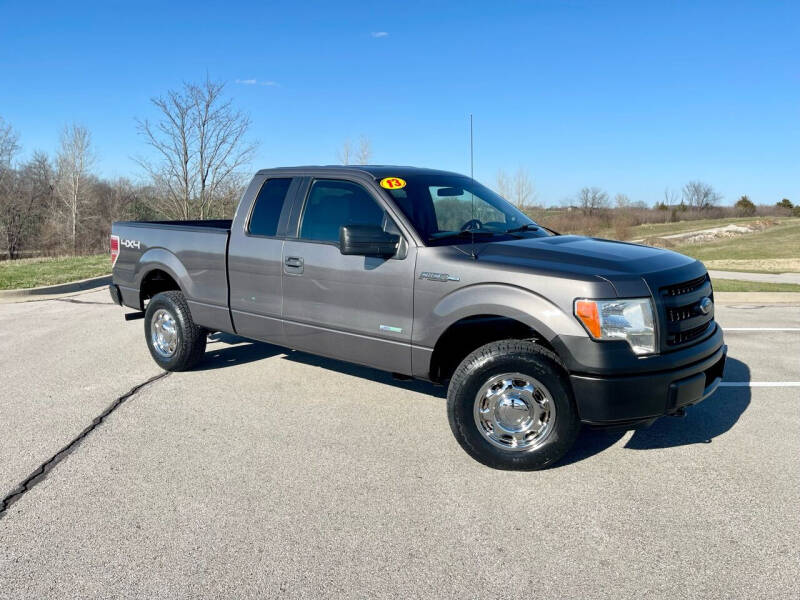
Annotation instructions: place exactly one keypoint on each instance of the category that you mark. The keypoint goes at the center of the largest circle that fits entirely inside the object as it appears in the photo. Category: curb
(60, 288)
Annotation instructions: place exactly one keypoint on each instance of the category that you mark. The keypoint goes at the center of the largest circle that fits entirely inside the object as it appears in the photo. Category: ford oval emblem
(705, 305)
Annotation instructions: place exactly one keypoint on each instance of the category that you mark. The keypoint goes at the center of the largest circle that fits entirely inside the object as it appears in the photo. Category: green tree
(745, 207)
(785, 203)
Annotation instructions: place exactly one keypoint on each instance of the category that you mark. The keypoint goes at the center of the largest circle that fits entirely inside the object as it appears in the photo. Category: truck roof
(377, 171)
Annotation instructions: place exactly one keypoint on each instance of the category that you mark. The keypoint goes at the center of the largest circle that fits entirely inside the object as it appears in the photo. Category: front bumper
(632, 399)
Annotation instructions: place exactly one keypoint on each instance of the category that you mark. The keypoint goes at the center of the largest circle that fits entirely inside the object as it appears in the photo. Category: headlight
(629, 319)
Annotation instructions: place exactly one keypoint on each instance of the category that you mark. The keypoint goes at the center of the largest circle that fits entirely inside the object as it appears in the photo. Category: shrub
(622, 226)
(745, 207)
(576, 222)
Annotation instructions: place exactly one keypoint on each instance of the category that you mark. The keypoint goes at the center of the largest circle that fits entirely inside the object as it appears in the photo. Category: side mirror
(367, 240)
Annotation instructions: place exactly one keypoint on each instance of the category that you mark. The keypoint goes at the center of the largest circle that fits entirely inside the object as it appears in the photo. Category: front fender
(502, 300)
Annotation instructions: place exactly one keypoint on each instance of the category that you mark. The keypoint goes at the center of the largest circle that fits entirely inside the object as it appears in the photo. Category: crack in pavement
(43, 469)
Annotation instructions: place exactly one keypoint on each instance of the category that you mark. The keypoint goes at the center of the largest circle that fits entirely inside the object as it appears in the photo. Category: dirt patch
(707, 235)
(717, 233)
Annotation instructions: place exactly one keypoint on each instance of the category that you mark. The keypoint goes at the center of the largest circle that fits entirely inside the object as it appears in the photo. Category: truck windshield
(447, 209)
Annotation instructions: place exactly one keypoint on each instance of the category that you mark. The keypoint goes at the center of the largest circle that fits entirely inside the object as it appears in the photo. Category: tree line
(196, 170)
(695, 196)
(199, 151)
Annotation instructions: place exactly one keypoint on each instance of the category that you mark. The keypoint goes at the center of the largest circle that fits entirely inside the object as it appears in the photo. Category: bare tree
(503, 184)
(518, 189)
(592, 200)
(108, 201)
(9, 146)
(345, 153)
(199, 141)
(523, 193)
(700, 195)
(364, 153)
(74, 161)
(23, 201)
(25, 191)
(622, 201)
(671, 197)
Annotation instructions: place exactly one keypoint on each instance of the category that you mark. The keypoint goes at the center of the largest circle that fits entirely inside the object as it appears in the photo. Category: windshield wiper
(465, 233)
(525, 227)
(469, 233)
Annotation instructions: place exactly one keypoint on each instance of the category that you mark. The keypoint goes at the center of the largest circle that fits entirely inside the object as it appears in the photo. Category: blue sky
(631, 97)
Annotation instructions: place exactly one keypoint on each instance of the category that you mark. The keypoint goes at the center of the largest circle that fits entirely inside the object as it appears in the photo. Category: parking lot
(272, 474)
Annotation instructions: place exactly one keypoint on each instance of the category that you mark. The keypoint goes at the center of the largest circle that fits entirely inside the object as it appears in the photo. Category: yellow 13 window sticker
(393, 183)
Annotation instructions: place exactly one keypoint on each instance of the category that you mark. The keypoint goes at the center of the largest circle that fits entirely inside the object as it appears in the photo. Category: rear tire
(175, 342)
(510, 406)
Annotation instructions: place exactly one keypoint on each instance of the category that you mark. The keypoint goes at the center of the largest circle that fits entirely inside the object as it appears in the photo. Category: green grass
(780, 241)
(35, 272)
(734, 285)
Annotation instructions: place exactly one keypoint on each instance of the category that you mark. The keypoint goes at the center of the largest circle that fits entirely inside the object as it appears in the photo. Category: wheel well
(469, 334)
(155, 282)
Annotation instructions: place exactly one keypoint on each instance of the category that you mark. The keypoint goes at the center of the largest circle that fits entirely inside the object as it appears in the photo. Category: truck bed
(192, 253)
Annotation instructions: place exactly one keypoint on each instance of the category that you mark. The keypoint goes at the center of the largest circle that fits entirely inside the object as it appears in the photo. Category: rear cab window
(267, 207)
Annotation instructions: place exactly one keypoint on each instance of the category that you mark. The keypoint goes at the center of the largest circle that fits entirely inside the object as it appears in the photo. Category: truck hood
(577, 255)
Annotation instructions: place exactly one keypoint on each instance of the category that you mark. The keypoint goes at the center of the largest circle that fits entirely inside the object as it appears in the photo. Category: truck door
(255, 256)
(355, 308)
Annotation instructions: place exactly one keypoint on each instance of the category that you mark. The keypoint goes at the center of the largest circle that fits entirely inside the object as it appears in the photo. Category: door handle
(293, 264)
(294, 261)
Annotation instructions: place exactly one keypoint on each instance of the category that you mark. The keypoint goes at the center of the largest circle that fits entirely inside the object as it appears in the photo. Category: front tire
(175, 342)
(510, 406)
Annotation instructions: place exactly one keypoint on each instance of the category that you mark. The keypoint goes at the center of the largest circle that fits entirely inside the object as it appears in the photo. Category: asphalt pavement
(267, 473)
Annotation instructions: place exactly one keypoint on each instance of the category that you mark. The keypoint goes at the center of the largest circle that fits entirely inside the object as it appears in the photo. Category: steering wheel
(472, 224)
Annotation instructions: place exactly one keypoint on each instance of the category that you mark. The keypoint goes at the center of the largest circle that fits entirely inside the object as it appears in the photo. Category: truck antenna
(471, 160)
(472, 194)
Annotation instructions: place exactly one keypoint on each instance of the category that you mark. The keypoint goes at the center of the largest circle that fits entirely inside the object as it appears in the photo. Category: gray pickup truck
(429, 274)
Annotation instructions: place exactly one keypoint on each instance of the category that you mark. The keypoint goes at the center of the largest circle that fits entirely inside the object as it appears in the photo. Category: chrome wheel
(164, 333)
(514, 412)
